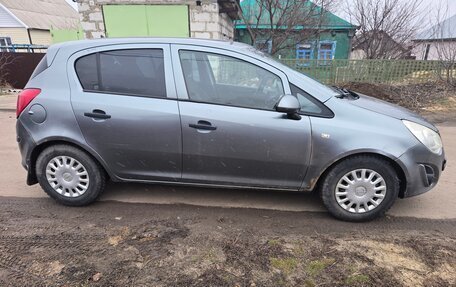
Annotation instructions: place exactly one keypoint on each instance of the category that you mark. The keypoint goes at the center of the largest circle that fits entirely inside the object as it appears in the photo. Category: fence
(369, 71)
(27, 48)
(19, 68)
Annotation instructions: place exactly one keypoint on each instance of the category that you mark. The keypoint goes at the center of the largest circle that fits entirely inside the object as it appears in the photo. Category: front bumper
(422, 169)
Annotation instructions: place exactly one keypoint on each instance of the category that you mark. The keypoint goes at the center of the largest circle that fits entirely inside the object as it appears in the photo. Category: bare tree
(5, 60)
(386, 26)
(285, 23)
(441, 31)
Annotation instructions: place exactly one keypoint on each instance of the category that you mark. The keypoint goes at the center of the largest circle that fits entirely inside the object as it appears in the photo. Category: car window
(42, 66)
(310, 105)
(132, 72)
(219, 79)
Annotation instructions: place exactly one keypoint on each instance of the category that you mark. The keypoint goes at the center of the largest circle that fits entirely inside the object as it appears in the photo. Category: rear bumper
(26, 147)
(422, 169)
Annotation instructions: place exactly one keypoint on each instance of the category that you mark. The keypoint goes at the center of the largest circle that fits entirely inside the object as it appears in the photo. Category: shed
(29, 22)
(210, 19)
(437, 42)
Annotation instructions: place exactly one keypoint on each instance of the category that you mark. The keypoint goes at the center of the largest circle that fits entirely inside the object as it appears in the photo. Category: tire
(362, 192)
(77, 182)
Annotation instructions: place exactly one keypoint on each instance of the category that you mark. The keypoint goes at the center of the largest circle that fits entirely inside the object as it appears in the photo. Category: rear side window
(42, 65)
(86, 68)
(130, 72)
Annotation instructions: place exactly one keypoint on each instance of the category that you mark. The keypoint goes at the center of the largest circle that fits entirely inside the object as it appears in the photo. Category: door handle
(98, 114)
(203, 125)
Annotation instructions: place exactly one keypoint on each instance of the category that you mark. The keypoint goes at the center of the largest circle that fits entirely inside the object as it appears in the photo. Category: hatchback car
(213, 113)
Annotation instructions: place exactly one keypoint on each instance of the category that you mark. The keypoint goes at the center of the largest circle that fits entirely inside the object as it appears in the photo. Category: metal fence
(19, 68)
(24, 48)
(370, 71)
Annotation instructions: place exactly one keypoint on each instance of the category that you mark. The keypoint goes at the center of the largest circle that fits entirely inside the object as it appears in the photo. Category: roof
(445, 30)
(43, 14)
(152, 40)
(361, 41)
(250, 9)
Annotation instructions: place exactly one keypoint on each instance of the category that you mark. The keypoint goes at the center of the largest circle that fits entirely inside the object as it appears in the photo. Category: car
(216, 114)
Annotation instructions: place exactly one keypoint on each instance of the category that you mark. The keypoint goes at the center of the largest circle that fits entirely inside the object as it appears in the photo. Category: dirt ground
(121, 244)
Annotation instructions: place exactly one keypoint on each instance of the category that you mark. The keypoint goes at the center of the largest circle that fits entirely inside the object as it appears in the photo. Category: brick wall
(205, 19)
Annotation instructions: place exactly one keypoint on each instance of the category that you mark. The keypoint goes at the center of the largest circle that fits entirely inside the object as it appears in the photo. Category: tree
(5, 60)
(386, 26)
(284, 23)
(441, 30)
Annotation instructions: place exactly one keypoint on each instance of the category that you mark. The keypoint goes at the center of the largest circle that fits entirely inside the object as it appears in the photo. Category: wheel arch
(32, 178)
(399, 170)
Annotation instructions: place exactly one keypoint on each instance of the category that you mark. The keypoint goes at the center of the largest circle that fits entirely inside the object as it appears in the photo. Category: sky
(429, 7)
(450, 3)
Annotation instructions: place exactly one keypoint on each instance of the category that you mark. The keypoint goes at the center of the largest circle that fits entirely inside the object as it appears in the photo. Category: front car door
(124, 100)
(231, 133)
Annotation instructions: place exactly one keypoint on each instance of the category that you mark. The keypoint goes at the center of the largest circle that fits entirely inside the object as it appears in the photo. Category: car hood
(391, 110)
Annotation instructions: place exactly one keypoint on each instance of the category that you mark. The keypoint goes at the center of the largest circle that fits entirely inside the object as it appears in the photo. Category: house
(210, 19)
(437, 42)
(328, 37)
(29, 22)
(378, 45)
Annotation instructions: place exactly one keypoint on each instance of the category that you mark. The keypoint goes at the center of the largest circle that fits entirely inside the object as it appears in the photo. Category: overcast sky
(429, 7)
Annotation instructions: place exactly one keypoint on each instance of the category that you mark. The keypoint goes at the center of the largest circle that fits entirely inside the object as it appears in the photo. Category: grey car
(218, 114)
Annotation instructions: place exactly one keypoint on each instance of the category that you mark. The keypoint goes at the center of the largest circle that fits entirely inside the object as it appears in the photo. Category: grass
(274, 242)
(211, 256)
(309, 283)
(357, 279)
(315, 267)
(285, 265)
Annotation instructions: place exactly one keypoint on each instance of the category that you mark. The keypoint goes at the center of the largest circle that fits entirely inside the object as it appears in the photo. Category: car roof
(84, 44)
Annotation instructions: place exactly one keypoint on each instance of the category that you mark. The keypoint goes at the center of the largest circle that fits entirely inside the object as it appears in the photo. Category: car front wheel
(360, 188)
(69, 175)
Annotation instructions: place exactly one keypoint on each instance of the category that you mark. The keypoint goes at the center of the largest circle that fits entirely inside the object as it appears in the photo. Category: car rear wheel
(360, 188)
(69, 175)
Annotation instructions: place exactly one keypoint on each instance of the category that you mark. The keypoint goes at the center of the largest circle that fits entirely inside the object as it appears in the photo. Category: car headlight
(426, 136)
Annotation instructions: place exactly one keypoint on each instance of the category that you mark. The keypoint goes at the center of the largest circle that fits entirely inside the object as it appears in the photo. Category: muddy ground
(121, 244)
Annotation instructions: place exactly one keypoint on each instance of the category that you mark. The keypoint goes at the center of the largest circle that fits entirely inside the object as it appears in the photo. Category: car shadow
(215, 197)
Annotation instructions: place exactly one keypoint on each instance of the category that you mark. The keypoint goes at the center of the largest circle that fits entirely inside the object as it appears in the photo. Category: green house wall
(338, 29)
(341, 38)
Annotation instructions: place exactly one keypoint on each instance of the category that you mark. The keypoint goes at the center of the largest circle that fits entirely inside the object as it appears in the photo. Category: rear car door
(231, 133)
(124, 100)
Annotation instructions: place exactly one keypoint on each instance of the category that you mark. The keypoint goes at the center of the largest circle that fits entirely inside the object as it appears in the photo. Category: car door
(231, 133)
(124, 100)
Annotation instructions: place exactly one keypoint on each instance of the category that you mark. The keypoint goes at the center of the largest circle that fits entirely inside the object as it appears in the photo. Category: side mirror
(290, 105)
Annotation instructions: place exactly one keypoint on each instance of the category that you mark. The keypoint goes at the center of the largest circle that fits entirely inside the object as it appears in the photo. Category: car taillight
(24, 99)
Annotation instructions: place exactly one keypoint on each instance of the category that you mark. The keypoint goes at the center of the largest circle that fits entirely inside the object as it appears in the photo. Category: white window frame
(5, 41)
